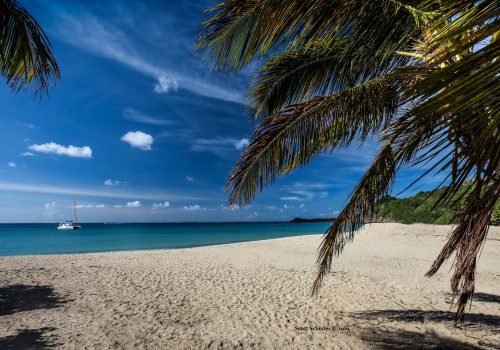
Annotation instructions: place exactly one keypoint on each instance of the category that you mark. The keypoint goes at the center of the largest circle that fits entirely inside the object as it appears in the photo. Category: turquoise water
(29, 239)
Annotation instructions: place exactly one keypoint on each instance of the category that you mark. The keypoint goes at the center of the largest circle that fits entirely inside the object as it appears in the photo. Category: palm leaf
(318, 68)
(239, 30)
(25, 52)
(295, 134)
(373, 186)
(466, 240)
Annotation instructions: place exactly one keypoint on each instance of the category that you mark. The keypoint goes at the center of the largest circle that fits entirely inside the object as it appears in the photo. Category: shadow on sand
(429, 315)
(486, 297)
(20, 297)
(411, 340)
(33, 339)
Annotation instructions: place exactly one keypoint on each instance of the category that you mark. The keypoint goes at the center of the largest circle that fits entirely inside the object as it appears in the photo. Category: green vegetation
(415, 209)
(422, 208)
(495, 217)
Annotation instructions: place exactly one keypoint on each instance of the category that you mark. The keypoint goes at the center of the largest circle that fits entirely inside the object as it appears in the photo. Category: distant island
(302, 220)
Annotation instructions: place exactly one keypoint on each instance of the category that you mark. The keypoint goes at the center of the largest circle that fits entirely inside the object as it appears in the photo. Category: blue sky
(140, 129)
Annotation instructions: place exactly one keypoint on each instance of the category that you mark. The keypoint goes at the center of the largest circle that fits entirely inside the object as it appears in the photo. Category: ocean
(34, 239)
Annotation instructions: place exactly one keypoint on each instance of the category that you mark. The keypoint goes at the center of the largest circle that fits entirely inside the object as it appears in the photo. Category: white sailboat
(70, 225)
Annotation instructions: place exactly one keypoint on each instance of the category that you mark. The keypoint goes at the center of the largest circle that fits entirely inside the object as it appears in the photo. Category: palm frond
(373, 186)
(25, 52)
(318, 68)
(463, 24)
(239, 30)
(466, 240)
(295, 134)
(458, 107)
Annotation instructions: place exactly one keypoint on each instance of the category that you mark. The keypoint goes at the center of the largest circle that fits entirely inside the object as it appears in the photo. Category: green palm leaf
(318, 68)
(373, 186)
(25, 52)
(239, 30)
(292, 136)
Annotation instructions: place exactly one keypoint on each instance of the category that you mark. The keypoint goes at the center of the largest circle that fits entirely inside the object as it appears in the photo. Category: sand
(253, 295)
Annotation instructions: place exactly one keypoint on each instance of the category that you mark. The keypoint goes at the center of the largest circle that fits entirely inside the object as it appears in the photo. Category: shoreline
(161, 249)
(251, 295)
(494, 230)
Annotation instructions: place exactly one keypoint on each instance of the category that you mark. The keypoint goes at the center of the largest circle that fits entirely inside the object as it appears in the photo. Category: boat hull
(68, 227)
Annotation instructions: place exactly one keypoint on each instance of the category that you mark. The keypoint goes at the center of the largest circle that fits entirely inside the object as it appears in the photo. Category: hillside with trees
(422, 208)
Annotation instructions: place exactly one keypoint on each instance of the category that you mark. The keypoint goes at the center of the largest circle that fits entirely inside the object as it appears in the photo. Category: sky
(140, 129)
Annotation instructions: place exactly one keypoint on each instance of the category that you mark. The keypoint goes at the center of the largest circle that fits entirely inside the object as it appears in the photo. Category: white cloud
(12, 164)
(302, 191)
(27, 154)
(134, 204)
(302, 205)
(102, 38)
(190, 178)
(50, 205)
(80, 206)
(242, 143)
(89, 206)
(165, 84)
(111, 182)
(118, 205)
(290, 198)
(30, 126)
(70, 151)
(271, 207)
(232, 207)
(220, 146)
(161, 205)
(49, 209)
(138, 139)
(192, 207)
(136, 116)
(252, 216)
(307, 186)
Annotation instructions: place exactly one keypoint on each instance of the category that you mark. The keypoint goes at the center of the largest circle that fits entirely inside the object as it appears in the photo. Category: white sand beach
(253, 295)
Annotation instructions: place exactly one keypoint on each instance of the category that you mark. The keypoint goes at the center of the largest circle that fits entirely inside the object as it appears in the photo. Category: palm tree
(419, 75)
(25, 52)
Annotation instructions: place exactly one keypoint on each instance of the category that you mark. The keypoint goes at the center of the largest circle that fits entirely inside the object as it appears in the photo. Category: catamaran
(70, 225)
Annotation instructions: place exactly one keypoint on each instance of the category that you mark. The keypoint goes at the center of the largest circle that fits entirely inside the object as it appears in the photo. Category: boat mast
(75, 219)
